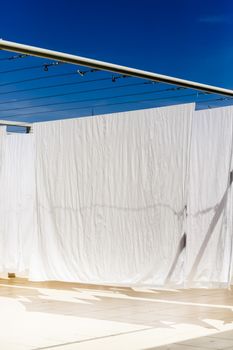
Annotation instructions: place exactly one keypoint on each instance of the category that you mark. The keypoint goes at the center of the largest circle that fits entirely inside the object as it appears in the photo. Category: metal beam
(27, 126)
(14, 123)
(77, 60)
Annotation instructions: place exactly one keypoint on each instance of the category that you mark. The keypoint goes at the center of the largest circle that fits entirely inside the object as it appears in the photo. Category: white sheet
(208, 254)
(17, 202)
(111, 194)
(137, 198)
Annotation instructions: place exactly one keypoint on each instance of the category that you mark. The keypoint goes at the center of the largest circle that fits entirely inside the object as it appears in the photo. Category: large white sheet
(17, 202)
(111, 197)
(138, 198)
(209, 229)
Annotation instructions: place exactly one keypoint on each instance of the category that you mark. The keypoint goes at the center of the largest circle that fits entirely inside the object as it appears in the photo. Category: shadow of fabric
(219, 209)
(180, 249)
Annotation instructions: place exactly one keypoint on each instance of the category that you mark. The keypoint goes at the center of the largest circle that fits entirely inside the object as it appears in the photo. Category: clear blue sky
(187, 39)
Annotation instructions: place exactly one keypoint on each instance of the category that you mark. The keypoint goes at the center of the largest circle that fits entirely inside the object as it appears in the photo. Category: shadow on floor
(152, 308)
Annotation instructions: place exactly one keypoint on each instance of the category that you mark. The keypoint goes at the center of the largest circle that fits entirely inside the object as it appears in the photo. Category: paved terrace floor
(68, 316)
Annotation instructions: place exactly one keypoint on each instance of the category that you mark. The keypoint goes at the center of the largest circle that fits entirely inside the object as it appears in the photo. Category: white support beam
(77, 60)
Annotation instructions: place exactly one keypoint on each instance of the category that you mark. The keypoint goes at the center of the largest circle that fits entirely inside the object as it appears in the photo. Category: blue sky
(187, 39)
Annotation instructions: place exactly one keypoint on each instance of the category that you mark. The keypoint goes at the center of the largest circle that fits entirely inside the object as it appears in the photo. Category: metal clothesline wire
(74, 92)
(119, 103)
(95, 98)
(219, 99)
(61, 85)
(102, 105)
(39, 78)
(14, 57)
(43, 66)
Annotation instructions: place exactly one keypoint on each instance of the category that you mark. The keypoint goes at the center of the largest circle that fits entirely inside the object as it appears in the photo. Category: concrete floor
(65, 316)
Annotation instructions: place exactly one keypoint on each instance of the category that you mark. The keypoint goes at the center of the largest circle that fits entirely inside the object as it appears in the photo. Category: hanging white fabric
(209, 229)
(136, 198)
(111, 197)
(17, 202)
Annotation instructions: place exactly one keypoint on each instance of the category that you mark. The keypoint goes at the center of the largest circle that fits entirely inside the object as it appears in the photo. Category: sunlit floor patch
(67, 316)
